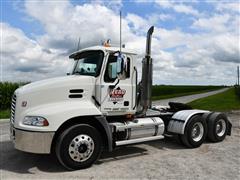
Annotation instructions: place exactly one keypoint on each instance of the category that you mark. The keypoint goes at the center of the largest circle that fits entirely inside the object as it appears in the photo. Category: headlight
(35, 121)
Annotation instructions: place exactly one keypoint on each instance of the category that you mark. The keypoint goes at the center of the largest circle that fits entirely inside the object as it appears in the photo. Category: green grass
(170, 91)
(224, 101)
(4, 114)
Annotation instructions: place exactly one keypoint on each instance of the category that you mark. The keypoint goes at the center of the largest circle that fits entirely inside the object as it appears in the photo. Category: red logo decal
(117, 94)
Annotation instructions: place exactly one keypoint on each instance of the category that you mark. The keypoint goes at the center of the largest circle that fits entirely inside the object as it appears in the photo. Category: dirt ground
(162, 159)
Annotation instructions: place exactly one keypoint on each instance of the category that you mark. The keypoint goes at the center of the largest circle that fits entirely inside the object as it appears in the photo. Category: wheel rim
(220, 127)
(197, 132)
(81, 148)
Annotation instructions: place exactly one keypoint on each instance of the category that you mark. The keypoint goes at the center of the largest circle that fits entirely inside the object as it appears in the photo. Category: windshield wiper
(77, 72)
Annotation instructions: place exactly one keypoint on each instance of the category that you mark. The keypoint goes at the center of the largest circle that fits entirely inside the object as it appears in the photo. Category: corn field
(237, 91)
(6, 91)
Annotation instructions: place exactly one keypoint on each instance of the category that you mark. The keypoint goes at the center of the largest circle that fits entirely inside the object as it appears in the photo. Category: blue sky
(14, 14)
(194, 42)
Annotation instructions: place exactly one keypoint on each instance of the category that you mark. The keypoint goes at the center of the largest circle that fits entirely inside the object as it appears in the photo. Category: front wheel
(78, 147)
(195, 132)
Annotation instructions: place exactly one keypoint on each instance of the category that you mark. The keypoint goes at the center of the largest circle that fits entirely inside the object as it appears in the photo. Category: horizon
(221, 85)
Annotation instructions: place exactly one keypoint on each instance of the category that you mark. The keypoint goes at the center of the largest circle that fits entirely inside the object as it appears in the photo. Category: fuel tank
(138, 128)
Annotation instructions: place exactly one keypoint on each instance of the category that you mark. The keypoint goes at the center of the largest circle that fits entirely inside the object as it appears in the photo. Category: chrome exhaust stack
(146, 83)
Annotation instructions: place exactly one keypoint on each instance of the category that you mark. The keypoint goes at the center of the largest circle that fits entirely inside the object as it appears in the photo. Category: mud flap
(229, 130)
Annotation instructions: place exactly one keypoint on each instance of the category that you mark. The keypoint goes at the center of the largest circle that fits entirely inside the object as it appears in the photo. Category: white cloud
(225, 48)
(192, 59)
(93, 23)
(115, 5)
(165, 3)
(215, 23)
(185, 9)
(25, 60)
(228, 6)
(178, 7)
(171, 38)
(155, 18)
(137, 22)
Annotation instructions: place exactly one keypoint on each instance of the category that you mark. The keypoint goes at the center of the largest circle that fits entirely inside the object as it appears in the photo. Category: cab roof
(103, 48)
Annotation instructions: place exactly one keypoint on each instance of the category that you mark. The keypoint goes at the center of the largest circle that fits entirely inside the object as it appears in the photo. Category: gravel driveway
(162, 159)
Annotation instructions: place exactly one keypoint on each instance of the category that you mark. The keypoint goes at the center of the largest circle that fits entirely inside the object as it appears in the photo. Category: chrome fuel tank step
(138, 130)
(139, 140)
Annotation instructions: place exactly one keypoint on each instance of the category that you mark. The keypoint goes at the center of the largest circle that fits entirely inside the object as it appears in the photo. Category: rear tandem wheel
(195, 132)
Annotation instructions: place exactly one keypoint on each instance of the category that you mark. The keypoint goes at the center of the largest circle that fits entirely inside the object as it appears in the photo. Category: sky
(194, 42)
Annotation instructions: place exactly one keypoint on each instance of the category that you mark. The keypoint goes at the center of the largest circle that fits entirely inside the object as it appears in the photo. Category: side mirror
(120, 63)
(119, 68)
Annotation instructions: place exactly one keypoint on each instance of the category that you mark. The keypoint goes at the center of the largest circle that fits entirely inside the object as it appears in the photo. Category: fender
(179, 120)
(58, 113)
(99, 122)
(102, 120)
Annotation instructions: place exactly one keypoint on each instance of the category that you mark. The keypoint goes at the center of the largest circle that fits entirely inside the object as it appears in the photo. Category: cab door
(117, 86)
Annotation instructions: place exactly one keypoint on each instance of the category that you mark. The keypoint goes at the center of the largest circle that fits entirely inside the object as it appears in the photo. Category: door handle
(113, 86)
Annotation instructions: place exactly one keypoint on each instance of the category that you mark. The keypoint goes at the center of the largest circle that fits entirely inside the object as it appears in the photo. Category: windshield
(88, 63)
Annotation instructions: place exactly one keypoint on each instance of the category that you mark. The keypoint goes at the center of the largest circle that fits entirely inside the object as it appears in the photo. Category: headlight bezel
(37, 121)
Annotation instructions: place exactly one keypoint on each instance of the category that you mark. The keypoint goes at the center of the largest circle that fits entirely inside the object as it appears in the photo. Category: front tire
(195, 132)
(78, 147)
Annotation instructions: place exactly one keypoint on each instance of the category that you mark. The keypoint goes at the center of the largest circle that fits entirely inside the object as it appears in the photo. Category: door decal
(116, 95)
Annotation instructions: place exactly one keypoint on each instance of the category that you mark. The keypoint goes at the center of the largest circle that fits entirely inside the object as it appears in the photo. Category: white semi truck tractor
(99, 106)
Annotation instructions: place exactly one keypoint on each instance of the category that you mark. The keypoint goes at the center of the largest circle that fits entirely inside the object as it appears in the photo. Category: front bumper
(33, 142)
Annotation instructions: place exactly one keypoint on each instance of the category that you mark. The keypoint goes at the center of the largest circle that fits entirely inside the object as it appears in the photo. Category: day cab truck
(100, 106)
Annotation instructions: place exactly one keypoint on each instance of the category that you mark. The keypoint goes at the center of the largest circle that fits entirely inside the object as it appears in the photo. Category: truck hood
(55, 96)
(59, 83)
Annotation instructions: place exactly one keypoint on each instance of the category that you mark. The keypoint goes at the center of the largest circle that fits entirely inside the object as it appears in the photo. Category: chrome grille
(13, 106)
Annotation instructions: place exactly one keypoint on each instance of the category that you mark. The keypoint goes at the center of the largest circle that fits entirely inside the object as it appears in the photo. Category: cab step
(139, 140)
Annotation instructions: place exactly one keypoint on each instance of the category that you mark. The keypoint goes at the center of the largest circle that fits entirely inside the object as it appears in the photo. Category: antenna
(79, 41)
(120, 31)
